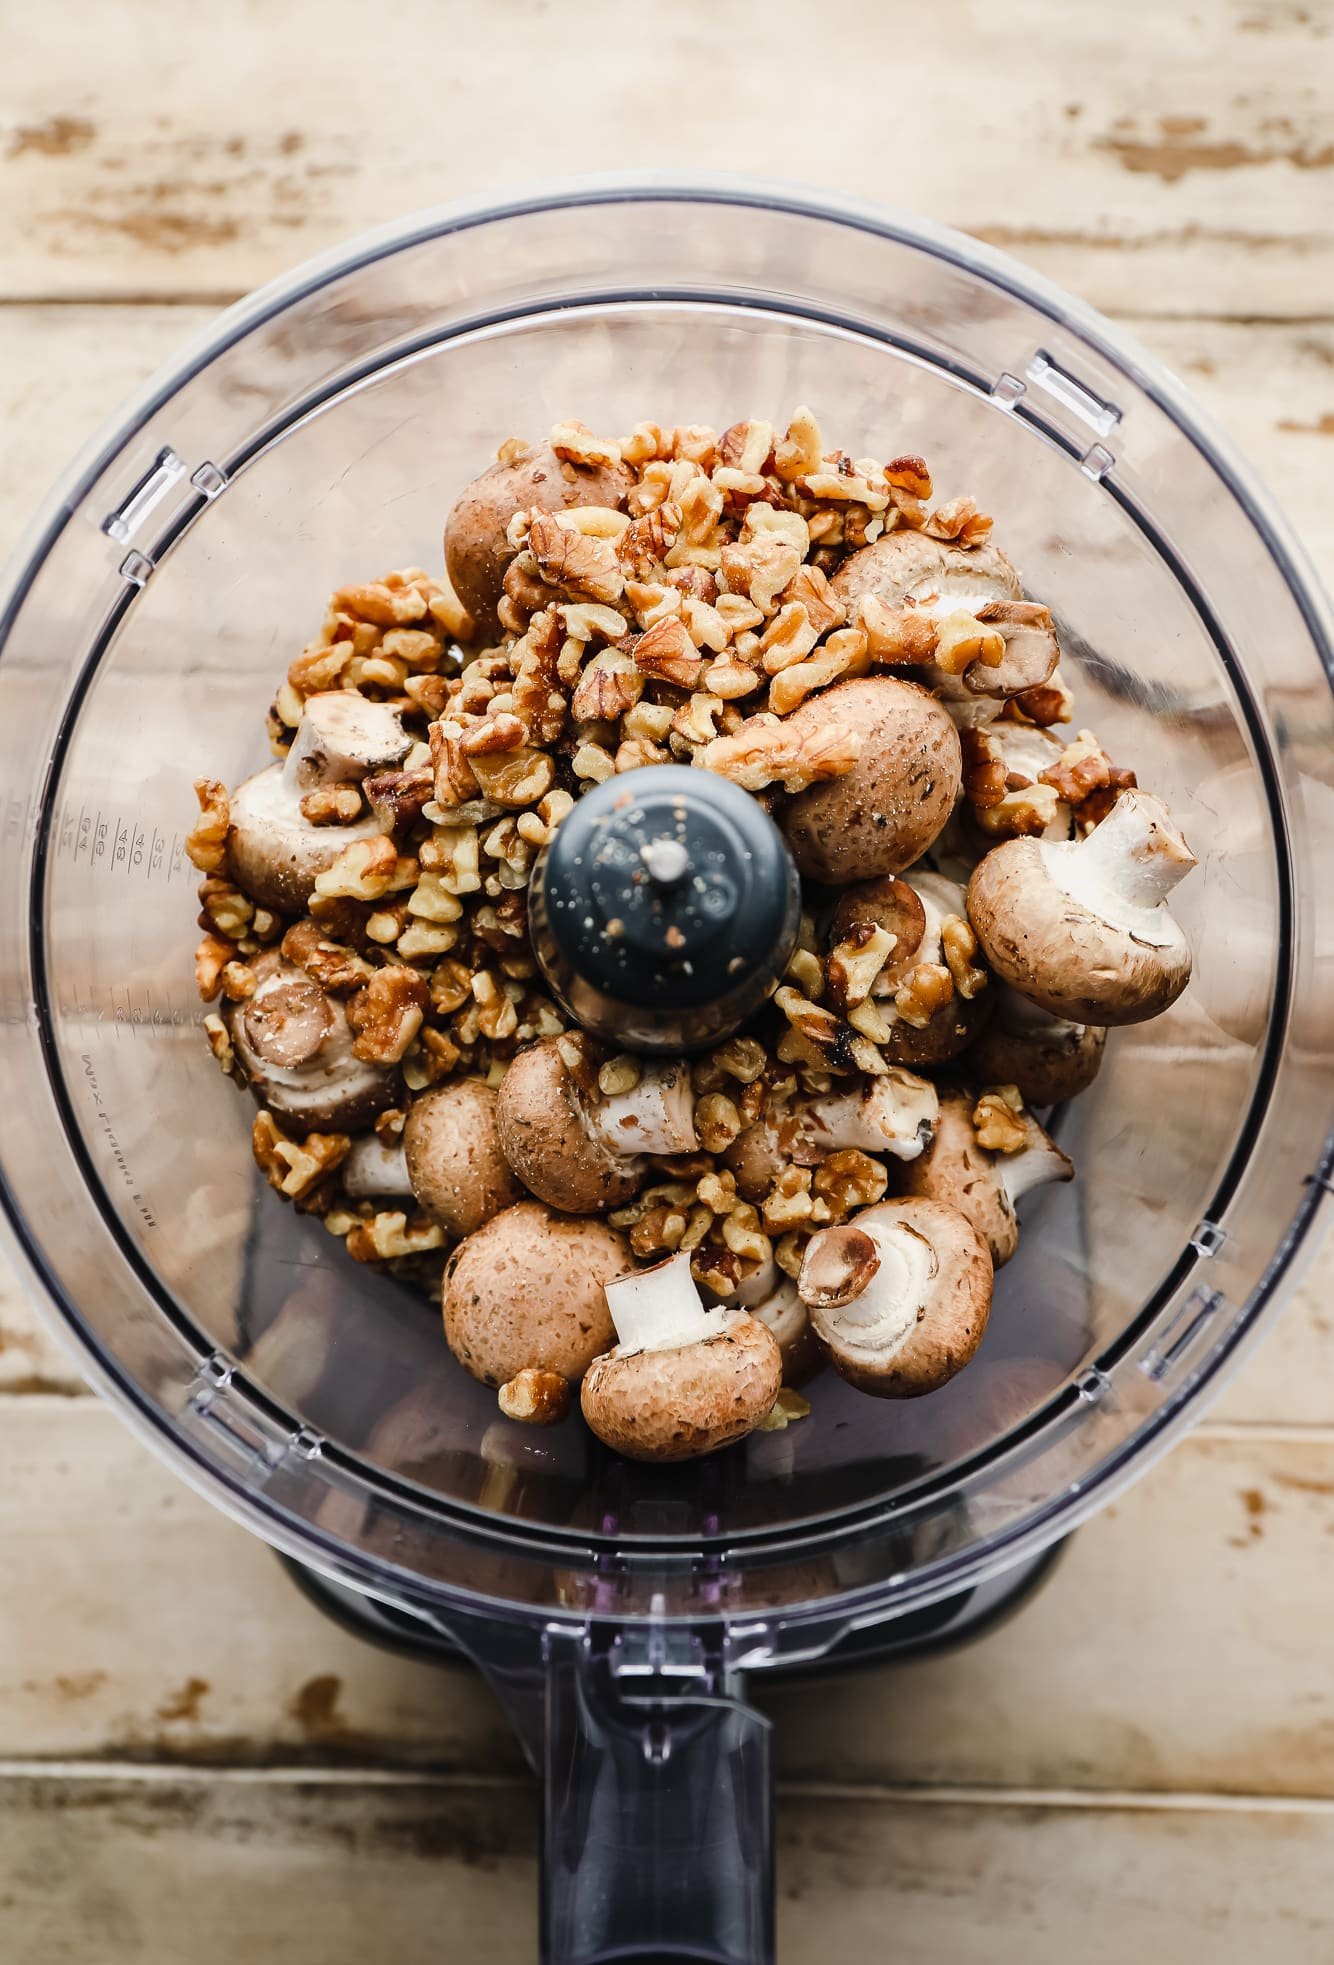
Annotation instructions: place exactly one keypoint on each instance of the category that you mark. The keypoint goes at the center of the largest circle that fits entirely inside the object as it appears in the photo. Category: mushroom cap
(275, 855)
(678, 1404)
(956, 1170)
(452, 1148)
(905, 562)
(950, 1322)
(759, 1153)
(543, 1133)
(949, 1033)
(1048, 1059)
(294, 1044)
(528, 1289)
(884, 813)
(1059, 954)
(477, 552)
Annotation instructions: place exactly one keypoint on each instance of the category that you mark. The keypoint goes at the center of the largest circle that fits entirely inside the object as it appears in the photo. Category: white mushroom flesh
(341, 737)
(301, 1090)
(657, 1116)
(270, 802)
(1030, 750)
(757, 1287)
(375, 1166)
(1034, 1165)
(660, 1309)
(783, 1312)
(878, 1321)
(1024, 1019)
(895, 1113)
(1125, 868)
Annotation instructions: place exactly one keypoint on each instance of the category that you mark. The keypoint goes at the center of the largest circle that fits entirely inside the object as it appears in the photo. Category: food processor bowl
(318, 434)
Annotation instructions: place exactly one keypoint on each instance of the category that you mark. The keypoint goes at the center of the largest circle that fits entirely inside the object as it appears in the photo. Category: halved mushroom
(448, 1159)
(1083, 929)
(957, 612)
(913, 908)
(276, 854)
(526, 1291)
(899, 1297)
(884, 813)
(1049, 1059)
(683, 1380)
(476, 549)
(983, 1185)
(894, 1113)
(577, 1149)
(774, 1301)
(294, 1044)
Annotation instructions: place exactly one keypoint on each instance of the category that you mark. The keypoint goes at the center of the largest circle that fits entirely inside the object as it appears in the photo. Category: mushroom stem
(757, 1288)
(1127, 866)
(341, 736)
(659, 1309)
(1035, 1165)
(657, 1116)
(892, 1114)
(374, 1167)
(886, 1306)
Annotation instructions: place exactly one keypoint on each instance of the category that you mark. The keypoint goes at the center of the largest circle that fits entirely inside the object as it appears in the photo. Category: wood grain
(1098, 146)
(104, 1870)
(1183, 1641)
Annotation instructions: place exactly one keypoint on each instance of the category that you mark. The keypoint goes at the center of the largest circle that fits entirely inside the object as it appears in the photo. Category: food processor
(320, 432)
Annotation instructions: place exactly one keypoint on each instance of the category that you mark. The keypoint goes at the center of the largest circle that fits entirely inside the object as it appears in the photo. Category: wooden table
(193, 1764)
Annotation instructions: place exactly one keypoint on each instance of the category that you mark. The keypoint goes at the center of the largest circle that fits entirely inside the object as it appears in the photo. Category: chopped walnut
(1083, 768)
(225, 909)
(959, 520)
(397, 797)
(389, 1236)
(717, 1121)
(665, 651)
(365, 871)
(535, 1397)
(515, 777)
(618, 1075)
(662, 1227)
(611, 684)
(843, 654)
(896, 634)
(984, 769)
(206, 844)
(1025, 813)
(959, 946)
(332, 805)
(790, 635)
(962, 639)
(788, 1202)
(787, 1409)
(923, 993)
(294, 1167)
(574, 562)
(743, 1235)
(997, 1120)
(220, 1043)
(1050, 702)
(763, 752)
(854, 964)
(387, 1014)
(761, 569)
(211, 958)
(848, 1181)
(801, 450)
(575, 443)
(645, 543)
(593, 762)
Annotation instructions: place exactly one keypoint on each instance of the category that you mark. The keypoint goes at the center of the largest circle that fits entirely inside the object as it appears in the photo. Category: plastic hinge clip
(1183, 1333)
(1100, 416)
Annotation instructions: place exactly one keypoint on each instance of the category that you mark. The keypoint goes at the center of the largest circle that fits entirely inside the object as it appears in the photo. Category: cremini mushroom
(893, 1113)
(477, 552)
(526, 1291)
(984, 1186)
(1083, 929)
(930, 603)
(1049, 1059)
(448, 1158)
(773, 1300)
(293, 1043)
(900, 1296)
(914, 908)
(884, 813)
(683, 1380)
(275, 852)
(577, 1148)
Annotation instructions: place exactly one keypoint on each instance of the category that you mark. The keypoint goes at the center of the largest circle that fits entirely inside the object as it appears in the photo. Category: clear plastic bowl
(318, 433)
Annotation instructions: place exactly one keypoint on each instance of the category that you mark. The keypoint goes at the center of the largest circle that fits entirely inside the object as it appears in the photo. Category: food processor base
(953, 1620)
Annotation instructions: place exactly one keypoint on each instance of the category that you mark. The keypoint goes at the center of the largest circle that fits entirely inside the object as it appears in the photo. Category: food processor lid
(794, 289)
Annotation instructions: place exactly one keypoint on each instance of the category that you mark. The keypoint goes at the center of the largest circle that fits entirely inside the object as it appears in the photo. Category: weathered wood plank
(110, 1871)
(1153, 160)
(1183, 1642)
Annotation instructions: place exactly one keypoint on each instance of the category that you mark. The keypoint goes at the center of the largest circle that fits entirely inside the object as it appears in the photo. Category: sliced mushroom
(576, 1149)
(526, 1290)
(1083, 929)
(476, 549)
(1049, 1059)
(884, 813)
(893, 1113)
(683, 1380)
(899, 1297)
(982, 1185)
(294, 1044)
(275, 853)
(913, 908)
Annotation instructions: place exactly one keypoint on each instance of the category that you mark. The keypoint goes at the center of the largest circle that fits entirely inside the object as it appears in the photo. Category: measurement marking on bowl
(102, 1119)
(94, 835)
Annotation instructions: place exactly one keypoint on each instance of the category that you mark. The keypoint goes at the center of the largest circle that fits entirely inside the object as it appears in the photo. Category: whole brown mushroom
(1049, 1059)
(983, 1185)
(884, 813)
(1083, 929)
(892, 1114)
(914, 908)
(451, 1144)
(899, 1297)
(527, 1290)
(576, 1148)
(683, 1380)
(476, 549)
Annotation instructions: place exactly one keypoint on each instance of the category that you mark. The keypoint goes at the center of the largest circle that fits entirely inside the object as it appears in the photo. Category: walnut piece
(387, 1014)
(295, 1166)
(848, 1181)
(386, 1237)
(959, 946)
(923, 993)
(206, 844)
(332, 805)
(997, 1121)
(762, 752)
(535, 1397)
